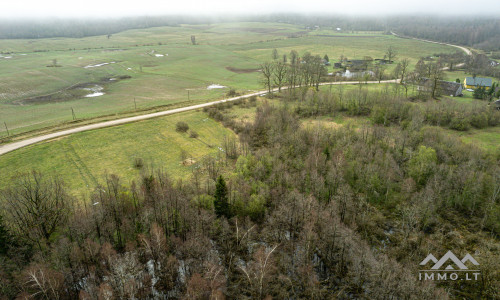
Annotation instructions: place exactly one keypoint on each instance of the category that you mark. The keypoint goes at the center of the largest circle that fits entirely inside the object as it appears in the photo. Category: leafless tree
(391, 53)
(267, 73)
(279, 74)
(35, 207)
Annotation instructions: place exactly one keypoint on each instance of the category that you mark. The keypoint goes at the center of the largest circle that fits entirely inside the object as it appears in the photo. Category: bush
(138, 163)
(181, 127)
(460, 124)
(232, 93)
(193, 134)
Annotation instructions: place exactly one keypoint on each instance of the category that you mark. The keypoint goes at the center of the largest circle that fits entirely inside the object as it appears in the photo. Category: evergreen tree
(326, 58)
(479, 93)
(221, 202)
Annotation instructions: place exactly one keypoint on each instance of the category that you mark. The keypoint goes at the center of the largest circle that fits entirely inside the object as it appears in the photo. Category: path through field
(17, 145)
(467, 51)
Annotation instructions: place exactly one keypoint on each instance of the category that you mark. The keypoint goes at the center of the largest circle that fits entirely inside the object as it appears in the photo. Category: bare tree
(436, 75)
(43, 281)
(35, 207)
(267, 73)
(391, 53)
(279, 72)
(404, 69)
(258, 271)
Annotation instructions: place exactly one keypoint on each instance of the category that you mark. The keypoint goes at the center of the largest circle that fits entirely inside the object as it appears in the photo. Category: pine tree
(221, 203)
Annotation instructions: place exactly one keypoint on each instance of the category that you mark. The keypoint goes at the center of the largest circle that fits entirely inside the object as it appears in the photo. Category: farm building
(448, 88)
(475, 82)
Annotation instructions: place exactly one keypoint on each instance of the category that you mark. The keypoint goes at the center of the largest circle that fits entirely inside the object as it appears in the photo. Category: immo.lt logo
(449, 267)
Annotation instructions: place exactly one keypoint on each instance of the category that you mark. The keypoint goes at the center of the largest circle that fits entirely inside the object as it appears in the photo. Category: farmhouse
(475, 82)
(448, 88)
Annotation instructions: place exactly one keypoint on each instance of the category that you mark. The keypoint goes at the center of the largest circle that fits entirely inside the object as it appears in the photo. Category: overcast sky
(117, 8)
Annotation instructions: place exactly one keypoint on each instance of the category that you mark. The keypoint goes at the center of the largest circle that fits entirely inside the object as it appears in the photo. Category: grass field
(163, 65)
(85, 158)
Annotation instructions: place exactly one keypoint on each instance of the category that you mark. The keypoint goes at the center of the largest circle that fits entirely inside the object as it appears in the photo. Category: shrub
(232, 93)
(138, 163)
(193, 134)
(460, 124)
(181, 127)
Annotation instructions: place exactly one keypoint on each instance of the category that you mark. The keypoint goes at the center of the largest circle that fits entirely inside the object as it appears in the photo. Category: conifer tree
(221, 202)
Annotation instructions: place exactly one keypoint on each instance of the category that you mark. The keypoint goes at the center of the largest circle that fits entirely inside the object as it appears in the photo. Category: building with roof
(475, 82)
(447, 88)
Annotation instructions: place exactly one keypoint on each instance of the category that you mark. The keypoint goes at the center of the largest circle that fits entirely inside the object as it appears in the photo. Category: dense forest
(481, 33)
(287, 211)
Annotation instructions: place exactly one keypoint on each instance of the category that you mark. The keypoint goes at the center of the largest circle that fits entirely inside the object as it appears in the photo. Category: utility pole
(5, 123)
(73, 113)
(135, 104)
(188, 95)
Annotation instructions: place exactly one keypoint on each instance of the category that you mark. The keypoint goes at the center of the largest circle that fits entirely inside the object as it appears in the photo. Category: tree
(326, 58)
(422, 164)
(404, 69)
(294, 56)
(479, 93)
(4, 238)
(279, 74)
(193, 40)
(267, 73)
(181, 126)
(379, 72)
(391, 54)
(35, 207)
(275, 55)
(436, 75)
(221, 202)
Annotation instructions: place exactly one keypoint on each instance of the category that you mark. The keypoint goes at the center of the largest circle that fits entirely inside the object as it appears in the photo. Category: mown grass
(164, 80)
(487, 138)
(84, 159)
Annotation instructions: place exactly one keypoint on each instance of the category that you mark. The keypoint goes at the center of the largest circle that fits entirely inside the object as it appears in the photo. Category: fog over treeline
(481, 32)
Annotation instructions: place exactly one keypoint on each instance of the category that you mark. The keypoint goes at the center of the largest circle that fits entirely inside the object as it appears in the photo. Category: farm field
(145, 68)
(84, 159)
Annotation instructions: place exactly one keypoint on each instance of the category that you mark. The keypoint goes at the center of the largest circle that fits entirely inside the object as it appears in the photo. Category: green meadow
(84, 159)
(145, 68)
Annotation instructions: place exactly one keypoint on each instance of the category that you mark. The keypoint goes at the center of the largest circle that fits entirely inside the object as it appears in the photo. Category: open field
(163, 67)
(85, 158)
(487, 138)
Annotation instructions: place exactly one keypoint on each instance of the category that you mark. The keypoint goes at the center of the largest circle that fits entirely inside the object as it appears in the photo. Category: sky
(13, 9)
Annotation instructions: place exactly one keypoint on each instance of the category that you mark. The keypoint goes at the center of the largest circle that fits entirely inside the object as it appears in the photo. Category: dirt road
(17, 145)
(467, 51)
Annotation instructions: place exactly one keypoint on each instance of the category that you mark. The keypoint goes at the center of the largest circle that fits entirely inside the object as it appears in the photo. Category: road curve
(17, 145)
(466, 50)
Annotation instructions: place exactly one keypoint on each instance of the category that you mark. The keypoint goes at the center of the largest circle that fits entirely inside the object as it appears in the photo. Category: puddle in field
(96, 91)
(98, 65)
(215, 86)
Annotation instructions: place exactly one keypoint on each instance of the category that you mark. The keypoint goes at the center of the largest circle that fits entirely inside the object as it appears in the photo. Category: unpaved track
(17, 145)
(466, 50)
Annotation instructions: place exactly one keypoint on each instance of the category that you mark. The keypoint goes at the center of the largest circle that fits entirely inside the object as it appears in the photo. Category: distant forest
(482, 33)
